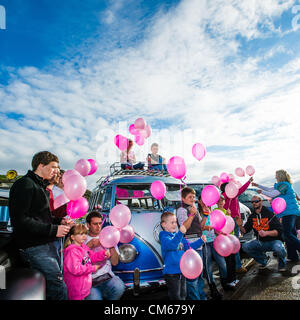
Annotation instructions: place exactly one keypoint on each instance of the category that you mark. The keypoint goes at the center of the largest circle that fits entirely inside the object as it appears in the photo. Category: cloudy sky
(225, 73)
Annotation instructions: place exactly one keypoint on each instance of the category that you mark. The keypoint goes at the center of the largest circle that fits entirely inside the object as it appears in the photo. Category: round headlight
(127, 253)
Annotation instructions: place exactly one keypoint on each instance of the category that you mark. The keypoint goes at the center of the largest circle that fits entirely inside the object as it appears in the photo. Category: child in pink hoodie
(78, 263)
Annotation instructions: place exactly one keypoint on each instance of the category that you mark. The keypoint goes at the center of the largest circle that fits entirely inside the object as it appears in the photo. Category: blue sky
(225, 73)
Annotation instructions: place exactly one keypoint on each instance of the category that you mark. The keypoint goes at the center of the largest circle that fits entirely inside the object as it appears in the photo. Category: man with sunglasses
(268, 231)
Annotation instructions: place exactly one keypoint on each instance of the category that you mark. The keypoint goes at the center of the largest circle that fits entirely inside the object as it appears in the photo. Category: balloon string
(188, 244)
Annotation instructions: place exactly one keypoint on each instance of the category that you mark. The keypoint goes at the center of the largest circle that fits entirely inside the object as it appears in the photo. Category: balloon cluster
(75, 186)
(226, 245)
(141, 131)
(120, 231)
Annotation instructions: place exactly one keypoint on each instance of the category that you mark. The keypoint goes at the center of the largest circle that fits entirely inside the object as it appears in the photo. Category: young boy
(189, 217)
(173, 245)
(230, 260)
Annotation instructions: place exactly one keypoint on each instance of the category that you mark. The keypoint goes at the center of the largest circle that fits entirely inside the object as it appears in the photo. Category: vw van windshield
(136, 197)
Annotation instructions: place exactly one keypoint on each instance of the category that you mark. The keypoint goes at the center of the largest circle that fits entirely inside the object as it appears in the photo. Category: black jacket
(266, 221)
(29, 212)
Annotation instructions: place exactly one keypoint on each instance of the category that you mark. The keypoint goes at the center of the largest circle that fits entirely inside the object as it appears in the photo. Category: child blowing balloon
(78, 263)
(173, 246)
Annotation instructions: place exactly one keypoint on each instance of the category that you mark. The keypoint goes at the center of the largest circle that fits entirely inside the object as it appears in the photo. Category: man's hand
(67, 222)
(93, 243)
(259, 191)
(62, 231)
(262, 233)
(254, 184)
(183, 229)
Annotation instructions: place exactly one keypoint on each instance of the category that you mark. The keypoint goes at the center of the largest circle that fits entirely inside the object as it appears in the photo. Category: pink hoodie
(78, 270)
(233, 204)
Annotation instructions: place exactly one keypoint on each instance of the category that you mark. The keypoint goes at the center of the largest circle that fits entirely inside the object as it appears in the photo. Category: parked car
(17, 281)
(246, 197)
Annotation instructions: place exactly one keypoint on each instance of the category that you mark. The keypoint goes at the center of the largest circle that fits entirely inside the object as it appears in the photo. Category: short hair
(222, 186)
(93, 214)
(165, 216)
(43, 157)
(154, 145)
(186, 190)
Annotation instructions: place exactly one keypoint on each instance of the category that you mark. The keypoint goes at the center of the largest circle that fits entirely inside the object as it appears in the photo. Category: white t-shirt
(107, 266)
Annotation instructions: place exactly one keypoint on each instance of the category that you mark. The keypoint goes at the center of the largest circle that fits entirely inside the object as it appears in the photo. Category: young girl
(128, 159)
(78, 263)
(230, 260)
(209, 253)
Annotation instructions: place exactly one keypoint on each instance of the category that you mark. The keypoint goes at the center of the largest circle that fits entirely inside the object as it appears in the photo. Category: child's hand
(182, 229)
(107, 254)
(193, 210)
(97, 267)
(239, 221)
(203, 237)
(228, 211)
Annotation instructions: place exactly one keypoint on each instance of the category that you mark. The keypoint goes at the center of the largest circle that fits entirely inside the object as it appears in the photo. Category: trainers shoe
(282, 269)
(241, 270)
(264, 266)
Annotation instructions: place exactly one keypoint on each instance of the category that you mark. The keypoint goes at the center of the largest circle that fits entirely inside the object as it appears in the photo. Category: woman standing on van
(284, 189)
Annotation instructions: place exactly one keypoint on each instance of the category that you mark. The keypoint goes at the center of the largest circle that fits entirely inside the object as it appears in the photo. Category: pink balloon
(231, 190)
(121, 142)
(224, 177)
(210, 195)
(94, 166)
(217, 219)
(132, 130)
(75, 187)
(198, 151)
(223, 245)
(215, 180)
(60, 200)
(139, 139)
(109, 237)
(158, 189)
(191, 264)
(126, 234)
(235, 242)
(278, 205)
(83, 166)
(176, 167)
(231, 177)
(77, 208)
(139, 124)
(229, 225)
(240, 172)
(69, 173)
(250, 171)
(120, 216)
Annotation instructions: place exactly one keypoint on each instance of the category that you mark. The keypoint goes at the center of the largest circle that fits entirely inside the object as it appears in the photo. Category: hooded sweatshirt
(78, 269)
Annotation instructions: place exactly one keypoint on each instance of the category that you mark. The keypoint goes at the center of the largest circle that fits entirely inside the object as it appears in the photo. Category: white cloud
(187, 71)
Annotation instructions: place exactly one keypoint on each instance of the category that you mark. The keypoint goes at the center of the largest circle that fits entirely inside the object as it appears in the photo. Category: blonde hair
(76, 229)
(283, 175)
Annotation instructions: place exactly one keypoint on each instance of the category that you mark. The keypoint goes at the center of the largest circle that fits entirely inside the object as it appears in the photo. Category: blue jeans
(195, 287)
(44, 258)
(137, 166)
(160, 167)
(257, 250)
(111, 289)
(209, 252)
(290, 236)
(238, 262)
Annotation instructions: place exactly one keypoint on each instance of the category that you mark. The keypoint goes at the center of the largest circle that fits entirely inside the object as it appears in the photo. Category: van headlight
(127, 253)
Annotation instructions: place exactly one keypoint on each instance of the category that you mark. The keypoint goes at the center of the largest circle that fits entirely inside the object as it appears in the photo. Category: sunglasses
(256, 201)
